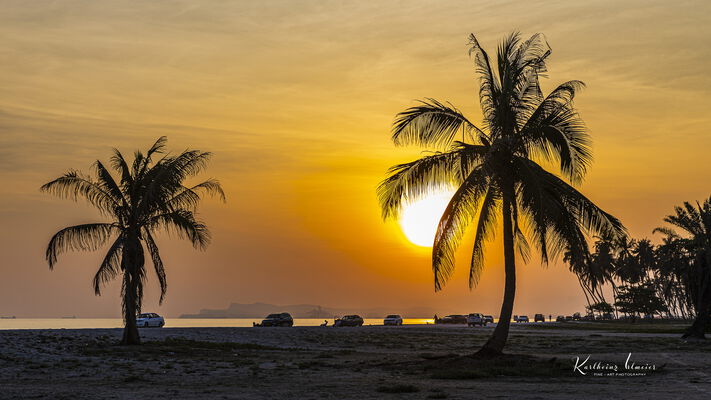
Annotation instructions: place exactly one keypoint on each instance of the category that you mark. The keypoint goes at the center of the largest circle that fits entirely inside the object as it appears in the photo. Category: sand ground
(340, 363)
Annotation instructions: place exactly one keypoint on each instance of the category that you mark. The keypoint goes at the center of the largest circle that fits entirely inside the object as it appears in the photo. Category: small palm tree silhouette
(149, 196)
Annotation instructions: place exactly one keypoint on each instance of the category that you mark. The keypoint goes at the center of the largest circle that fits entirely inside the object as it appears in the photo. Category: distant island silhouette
(259, 310)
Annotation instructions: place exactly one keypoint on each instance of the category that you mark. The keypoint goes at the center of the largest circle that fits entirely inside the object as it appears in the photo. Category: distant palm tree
(496, 172)
(149, 196)
(695, 221)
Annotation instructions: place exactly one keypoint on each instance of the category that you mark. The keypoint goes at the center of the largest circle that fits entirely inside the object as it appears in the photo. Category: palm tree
(674, 261)
(695, 221)
(496, 169)
(149, 197)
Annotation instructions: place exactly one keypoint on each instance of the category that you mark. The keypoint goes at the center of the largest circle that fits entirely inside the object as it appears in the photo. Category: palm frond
(73, 185)
(485, 230)
(561, 209)
(528, 65)
(85, 237)
(520, 241)
(489, 88)
(118, 163)
(165, 179)
(157, 148)
(555, 131)
(432, 124)
(184, 224)
(418, 178)
(157, 264)
(668, 232)
(505, 62)
(686, 218)
(189, 197)
(109, 185)
(110, 266)
(460, 212)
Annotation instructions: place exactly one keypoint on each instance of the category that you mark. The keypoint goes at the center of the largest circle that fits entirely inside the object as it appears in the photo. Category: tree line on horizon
(671, 280)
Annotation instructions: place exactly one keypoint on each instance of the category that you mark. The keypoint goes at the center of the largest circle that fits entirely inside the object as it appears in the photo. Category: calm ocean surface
(88, 323)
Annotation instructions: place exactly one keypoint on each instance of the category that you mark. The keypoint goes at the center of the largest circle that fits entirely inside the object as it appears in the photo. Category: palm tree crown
(148, 197)
(496, 166)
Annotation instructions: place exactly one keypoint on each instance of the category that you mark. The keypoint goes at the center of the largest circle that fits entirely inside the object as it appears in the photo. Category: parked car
(281, 319)
(576, 316)
(454, 319)
(349, 320)
(489, 319)
(568, 318)
(149, 320)
(521, 318)
(476, 319)
(539, 318)
(607, 316)
(393, 319)
(588, 317)
(560, 318)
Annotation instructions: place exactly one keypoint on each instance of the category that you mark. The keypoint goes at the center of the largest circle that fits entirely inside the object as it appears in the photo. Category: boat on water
(72, 317)
(10, 317)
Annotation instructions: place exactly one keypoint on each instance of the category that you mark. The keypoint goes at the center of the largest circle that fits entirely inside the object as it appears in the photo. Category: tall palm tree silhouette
(496, 170)
(695, 221)
(149, 196)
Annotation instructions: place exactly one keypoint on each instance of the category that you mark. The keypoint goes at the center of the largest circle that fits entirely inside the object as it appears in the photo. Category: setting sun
(419, 219)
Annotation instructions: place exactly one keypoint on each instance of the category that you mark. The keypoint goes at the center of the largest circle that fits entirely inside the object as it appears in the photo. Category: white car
(393, 319)
(149, 320)
(476, 319)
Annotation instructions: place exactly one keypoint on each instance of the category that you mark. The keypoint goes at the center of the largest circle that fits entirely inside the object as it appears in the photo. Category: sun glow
(419, 219)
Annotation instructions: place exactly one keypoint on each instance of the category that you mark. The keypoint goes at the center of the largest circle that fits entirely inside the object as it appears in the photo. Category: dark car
(539, 318)
(560, 318)
(489, 319)
(349, 320)
(576, 316)
(282, 319)
(454, 319)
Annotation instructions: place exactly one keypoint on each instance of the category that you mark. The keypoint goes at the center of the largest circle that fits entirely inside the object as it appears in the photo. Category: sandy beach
(353, 363)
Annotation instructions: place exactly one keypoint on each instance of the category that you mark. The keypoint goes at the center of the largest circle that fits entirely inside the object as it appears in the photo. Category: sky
(296, 100)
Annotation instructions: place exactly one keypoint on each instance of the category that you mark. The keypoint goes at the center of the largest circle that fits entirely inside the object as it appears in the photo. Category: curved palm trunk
(497, 341)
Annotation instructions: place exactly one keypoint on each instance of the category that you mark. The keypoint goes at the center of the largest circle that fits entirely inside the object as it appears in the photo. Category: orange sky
(296, 100)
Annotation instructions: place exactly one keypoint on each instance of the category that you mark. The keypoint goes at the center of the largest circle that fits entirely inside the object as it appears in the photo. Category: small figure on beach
(325, 322)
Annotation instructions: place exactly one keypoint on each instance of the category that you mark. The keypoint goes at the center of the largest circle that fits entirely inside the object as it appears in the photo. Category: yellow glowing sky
(296, 100)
